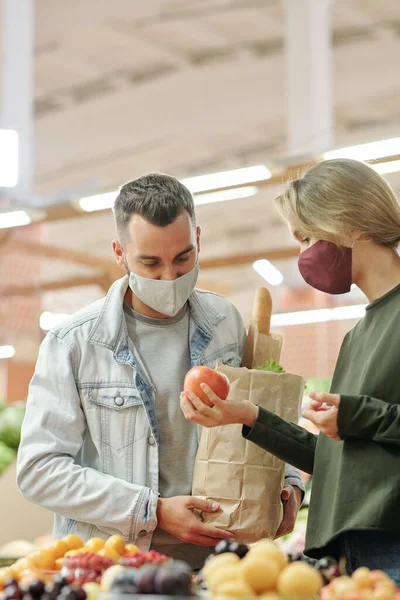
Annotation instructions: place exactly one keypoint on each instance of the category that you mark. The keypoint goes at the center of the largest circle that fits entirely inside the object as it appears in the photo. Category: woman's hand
(223, 412)
(324, 417)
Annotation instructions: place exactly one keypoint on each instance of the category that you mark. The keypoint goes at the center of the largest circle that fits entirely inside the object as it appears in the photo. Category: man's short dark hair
(156, 197)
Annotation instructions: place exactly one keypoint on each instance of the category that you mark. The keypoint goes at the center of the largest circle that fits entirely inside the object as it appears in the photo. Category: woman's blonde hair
(337, 197)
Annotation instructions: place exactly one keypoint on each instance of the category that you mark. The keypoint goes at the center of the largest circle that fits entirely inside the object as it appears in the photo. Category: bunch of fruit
(174, 579)
(85, 567)
(362, 585)
(261, 570)
(37, 564)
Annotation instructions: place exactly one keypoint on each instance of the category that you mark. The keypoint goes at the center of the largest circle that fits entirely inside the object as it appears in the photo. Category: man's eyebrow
(188, 249)
(149, 257)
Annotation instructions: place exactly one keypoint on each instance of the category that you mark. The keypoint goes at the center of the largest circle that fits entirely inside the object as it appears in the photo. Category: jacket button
(151, 441)
(119, 401)
(142, 533)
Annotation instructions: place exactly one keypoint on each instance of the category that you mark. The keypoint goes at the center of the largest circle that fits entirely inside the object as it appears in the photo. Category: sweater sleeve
(287, 441)
(368, 418)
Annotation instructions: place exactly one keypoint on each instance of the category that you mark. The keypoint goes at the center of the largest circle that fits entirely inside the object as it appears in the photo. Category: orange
(27, 576)
(109, 553)
(77, 551)
(58, 565)
(95, 544)
(60, 549)
(73, 541)
(43, 559)
(12, 572)
(23, 564)
(117, 543)
(4, 575)
(132, 549)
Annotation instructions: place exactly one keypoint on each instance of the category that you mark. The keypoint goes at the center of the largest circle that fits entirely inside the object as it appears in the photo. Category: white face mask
(165, 296)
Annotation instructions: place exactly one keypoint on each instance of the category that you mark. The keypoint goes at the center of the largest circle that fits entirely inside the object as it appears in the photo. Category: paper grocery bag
(242, 477)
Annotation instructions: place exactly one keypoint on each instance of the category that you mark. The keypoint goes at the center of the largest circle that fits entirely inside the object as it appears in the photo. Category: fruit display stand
(21, 519)
(108, 569)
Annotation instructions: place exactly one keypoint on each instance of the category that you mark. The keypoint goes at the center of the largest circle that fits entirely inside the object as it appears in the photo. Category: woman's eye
(183, 258)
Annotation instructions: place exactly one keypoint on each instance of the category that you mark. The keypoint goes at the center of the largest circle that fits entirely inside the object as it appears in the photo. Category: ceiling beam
(104, 282)
(114, 271)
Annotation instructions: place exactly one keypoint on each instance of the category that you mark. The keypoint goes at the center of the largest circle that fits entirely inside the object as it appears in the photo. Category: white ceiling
(188, 87)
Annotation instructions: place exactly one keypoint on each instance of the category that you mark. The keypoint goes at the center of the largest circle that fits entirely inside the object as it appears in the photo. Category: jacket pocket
(116, 415)
(230, 355)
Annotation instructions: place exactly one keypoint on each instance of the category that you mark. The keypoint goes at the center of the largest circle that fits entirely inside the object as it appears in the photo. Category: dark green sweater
(356, 482)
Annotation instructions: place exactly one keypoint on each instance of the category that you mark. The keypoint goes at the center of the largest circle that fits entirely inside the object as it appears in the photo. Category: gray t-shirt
(163, 347)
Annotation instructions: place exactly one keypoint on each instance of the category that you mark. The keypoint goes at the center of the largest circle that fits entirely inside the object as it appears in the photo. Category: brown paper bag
(243, 478)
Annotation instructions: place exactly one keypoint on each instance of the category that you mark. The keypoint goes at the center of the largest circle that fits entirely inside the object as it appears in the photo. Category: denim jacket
(89, 445)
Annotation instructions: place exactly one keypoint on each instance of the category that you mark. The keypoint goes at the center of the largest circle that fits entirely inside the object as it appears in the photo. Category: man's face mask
(327, 267)
(164, 296)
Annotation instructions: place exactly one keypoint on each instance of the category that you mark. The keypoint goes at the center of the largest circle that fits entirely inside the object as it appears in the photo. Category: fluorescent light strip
(98, 201)
(370, 151)
(16, 218)
(268, 271)
(48, 320)
(323, 315)
(224, 195)
(7, 351)
(8, 158)
(392, 166)
(213, 181)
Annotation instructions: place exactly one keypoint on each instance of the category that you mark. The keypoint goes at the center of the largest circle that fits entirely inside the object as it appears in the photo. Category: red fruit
(218, 382)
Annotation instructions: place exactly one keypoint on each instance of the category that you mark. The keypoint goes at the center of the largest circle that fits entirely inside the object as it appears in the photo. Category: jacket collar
(110, 330)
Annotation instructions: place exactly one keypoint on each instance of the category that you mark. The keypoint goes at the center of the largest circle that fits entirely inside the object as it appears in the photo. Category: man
(104, 443)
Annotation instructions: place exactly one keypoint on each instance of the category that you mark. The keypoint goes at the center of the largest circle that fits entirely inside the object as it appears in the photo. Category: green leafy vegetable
(6, 456)
(272, 366)
(10, 424)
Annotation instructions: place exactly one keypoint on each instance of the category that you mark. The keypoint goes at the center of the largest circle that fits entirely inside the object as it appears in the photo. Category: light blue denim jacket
(89, 444)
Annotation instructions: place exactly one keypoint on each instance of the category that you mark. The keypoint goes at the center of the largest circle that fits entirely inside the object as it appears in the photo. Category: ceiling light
(322, 315)
(202, 183)
(268, 271)
(370, 151)
(223, 195)
(391, 166)
(8, 158)
(48, 320)
(98, 201)
(15, 218)
(7, 351)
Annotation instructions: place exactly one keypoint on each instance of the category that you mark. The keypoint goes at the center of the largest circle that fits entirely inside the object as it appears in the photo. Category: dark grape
(172, 581)
(10, 581)
(59, 581)
(146, 575)
(242, 550)
(36, 588)
(80, 594)
(69, 593)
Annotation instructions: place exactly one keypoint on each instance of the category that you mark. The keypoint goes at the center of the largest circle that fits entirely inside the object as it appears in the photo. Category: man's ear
(119, 254)
(198, 235)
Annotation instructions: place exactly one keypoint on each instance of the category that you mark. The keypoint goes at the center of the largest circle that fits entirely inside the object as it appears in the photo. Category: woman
(347, 221)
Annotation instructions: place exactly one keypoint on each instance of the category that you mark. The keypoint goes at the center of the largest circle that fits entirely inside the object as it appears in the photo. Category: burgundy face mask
(326, 267)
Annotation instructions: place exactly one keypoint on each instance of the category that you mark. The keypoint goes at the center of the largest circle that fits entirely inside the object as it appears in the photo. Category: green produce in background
(7, 456)
(10, 424)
